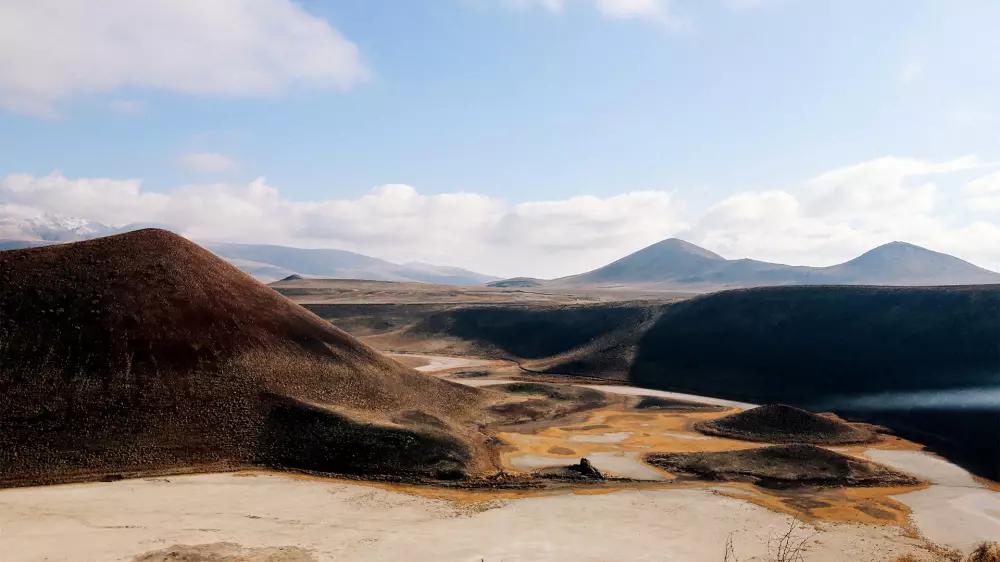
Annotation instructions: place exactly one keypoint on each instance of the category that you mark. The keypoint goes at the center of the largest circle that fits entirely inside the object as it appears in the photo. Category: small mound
(777, 423)
(782, 466)
(516, 282)
(292, 277)
(660, 403)
(144, 353)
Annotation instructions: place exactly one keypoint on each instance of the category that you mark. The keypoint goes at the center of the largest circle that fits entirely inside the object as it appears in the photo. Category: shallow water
(959, 398)
(612, 463)
(690, 436)
(616, 437)
(956, 509)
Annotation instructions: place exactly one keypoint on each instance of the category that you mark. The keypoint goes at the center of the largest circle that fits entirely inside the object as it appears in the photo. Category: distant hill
(677, 264)
(144, 353)
(899, 263)
(271, 263)
(19, 244)
(517, 282)
(672, 259)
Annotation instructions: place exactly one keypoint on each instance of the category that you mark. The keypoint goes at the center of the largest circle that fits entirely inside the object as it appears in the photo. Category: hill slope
(677, 264)
(143, 352)
(671, 259)
(899, 263)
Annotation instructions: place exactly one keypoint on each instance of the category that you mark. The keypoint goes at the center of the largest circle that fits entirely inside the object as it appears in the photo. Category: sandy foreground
(341, 521)
(277, 517)
(956, 509)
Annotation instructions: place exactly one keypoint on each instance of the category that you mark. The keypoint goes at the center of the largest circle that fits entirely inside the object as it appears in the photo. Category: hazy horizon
(510, 137)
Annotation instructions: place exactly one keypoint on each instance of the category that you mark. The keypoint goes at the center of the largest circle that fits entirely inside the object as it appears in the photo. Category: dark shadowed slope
(144, 352)
(680, 265)
(799, 343)
(821, 347)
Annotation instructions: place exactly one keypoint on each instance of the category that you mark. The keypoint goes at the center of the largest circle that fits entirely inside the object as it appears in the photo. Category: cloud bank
(827, 219)
(51, 50)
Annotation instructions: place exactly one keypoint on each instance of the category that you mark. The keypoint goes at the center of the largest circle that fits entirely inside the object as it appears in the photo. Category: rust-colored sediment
(673, 432)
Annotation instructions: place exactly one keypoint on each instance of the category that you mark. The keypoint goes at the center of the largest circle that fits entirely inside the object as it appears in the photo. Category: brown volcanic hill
(777, 423)
(143, 352)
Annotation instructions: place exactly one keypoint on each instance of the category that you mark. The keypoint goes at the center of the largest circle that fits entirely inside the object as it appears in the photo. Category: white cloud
(626, 9)
(51, 50)
(554, 6)
(983, 194)
(657, 11)
(207, 162)
(843, 212)
(828, 219)
(392, 221)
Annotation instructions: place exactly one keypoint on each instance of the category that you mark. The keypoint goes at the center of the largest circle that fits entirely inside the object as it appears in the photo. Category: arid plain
(489, 452)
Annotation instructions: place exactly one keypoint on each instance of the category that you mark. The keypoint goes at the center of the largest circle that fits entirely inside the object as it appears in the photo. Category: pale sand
(482, 382)
(638, 391)
(436, 363)
(956, 509)
(354, 522)
(613, 437)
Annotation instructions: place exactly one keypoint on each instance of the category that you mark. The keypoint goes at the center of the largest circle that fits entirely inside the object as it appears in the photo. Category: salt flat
(335, 520)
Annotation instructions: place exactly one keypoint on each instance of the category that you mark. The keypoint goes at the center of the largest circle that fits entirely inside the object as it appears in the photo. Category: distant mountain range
(270, 263)
(671, 264)
(677, 264)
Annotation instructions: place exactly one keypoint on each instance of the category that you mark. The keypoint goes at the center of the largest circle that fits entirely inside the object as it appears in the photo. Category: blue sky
(520, 103)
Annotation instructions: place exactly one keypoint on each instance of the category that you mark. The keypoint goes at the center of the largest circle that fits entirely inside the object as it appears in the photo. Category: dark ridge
(782, 466)
(144, 353)
(660, 403)
(778, 423)
(529, 332)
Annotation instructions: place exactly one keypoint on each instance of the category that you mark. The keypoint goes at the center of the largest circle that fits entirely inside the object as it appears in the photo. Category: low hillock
(782, 466)
(778, 423)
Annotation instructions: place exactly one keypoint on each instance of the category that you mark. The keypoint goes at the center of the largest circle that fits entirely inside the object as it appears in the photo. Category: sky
(511, 137)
